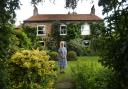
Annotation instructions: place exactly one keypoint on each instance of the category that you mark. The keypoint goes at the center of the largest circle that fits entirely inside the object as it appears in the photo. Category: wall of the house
(48, 26)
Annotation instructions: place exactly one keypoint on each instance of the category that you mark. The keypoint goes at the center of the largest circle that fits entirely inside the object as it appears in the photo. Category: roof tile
(63, 17)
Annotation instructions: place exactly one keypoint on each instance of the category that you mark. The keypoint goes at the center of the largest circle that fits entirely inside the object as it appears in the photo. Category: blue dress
(62, 57)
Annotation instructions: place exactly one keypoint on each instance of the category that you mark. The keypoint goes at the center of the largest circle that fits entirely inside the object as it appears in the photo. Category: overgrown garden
(25, 64)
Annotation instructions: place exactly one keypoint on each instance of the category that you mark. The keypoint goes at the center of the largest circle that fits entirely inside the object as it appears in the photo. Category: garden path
(65, 84)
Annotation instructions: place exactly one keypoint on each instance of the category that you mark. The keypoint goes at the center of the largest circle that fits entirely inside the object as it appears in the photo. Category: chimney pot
(35, 11)
(93, 10)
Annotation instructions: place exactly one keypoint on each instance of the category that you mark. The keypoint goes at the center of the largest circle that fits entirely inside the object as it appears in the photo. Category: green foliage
(54, 38)
(9, 42)
(74, 31)
(12, 40)
(53, 55)
(24, 41)
(7, 11)
(71, 4)
(31, 33)
(4, 84)
(77, 46)
(115, 39)
(96, 39)
(31, 69)
(91, 76)
(71, 56)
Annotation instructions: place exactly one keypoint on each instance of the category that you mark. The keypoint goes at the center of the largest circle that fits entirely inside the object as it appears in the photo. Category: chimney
(93, 10)
(35, 11)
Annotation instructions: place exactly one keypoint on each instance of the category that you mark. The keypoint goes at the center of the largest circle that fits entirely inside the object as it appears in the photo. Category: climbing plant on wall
(73, 32)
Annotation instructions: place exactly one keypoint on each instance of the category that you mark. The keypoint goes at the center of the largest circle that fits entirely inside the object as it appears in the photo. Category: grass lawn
(84, 59)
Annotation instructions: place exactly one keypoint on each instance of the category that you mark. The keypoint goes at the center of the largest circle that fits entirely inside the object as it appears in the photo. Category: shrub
(31, 69)
(91, 76)
(53, 55)
(24, 40)
(31, 33)
(71, 55)
(77, 46)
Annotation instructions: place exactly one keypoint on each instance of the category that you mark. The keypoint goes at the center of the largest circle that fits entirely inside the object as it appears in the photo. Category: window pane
(40, 27)
(85, 32)
(63, 27)
(85, 29)
(41, 32)
(42, 43)
(63, 30)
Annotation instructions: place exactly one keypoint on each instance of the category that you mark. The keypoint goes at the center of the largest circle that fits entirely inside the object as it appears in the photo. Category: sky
(57, 7)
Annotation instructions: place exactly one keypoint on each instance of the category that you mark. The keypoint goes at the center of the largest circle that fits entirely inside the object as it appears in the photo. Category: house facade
(44, 22)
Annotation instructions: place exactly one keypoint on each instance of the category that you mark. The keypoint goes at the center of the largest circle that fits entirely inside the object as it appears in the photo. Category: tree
(96, 37)
(115, 40)
(71, 4)
(7, 15)
(7, 11)
(8, 40)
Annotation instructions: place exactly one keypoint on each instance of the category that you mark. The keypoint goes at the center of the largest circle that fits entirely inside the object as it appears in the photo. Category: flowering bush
(77, 46)
(31, 69)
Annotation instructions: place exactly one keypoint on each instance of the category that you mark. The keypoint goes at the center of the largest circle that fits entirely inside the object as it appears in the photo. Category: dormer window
(41, 30)
(63, 29)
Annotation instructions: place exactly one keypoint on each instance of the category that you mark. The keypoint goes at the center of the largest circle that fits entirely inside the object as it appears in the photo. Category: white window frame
(41, 30)
(42, 41)
(82, 29)
(61, 29)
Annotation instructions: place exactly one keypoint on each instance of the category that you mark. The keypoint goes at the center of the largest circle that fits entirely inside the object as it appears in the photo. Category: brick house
(44, 22)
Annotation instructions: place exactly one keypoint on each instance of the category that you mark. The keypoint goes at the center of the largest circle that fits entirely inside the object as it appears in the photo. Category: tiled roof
(63, 17)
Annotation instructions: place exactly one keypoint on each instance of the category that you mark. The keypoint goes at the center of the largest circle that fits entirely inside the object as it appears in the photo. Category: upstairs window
(85, 29)
(41, 30)
(63, 29)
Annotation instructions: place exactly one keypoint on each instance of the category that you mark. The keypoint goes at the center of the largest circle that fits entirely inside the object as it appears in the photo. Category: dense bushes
(31, 70)
(31, 34)
(24, 40)
(92, 76)
(53, 55)
(77, 46)
(11, 40)
(71, 56)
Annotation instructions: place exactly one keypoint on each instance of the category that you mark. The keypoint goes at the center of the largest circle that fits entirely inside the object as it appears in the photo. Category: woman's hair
(62, 42)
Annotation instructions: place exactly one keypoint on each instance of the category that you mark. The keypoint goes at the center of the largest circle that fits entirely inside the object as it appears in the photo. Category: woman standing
(62, 57)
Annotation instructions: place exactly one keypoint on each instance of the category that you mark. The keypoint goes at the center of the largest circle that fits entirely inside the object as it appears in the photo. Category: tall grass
(90, 74)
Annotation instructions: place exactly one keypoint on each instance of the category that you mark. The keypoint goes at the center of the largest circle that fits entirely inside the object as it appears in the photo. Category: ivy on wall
(73, 32)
